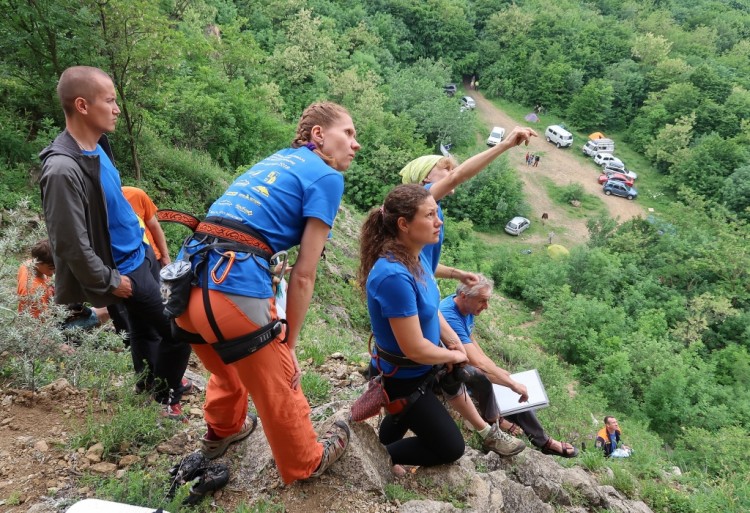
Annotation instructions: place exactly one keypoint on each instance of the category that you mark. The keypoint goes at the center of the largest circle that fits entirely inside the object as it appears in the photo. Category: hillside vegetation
(651, 318)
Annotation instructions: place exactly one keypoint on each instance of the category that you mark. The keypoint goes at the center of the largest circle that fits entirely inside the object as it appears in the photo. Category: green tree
(591, 107)
(650, 49)
(709, 162)
(735, 192)
(137, 48)
(671, 143)
(490, 198)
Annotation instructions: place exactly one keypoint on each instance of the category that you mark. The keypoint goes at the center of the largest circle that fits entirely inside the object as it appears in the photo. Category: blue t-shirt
(392, 292)
(432, 251)
(125, 232)
(612, 441)
(463, 325)
(275, 197)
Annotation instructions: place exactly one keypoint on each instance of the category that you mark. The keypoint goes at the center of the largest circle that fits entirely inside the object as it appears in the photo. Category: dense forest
(653, 313)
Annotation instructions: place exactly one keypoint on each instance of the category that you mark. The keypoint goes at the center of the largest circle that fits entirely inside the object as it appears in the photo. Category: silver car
(517, 225)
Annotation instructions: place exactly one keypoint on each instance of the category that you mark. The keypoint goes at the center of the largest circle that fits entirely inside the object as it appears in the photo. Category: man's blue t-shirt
(432, 251)
(612, 441)
(463, 325)
(275, 197)
(125, 232)
(392, 292)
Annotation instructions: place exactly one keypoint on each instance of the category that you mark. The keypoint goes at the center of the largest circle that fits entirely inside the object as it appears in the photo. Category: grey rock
(428, 507)
(365, 461)
(518, 498)
(199, 382)
(627, 506)
(41, 508)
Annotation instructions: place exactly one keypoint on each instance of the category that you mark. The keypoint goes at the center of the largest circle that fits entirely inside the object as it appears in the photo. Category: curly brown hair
(319, 113)
(379, 235)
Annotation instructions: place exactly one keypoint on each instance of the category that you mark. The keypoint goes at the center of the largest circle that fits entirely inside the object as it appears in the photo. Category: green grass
(622, 480)
(396, 492)
(591, 206)
(316, 386)
(123, 425)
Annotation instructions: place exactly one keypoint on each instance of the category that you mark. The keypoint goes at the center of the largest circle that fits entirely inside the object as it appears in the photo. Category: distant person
(526, 159)
(441, 175)
(35, 290)
(34, 287)
(97, 242)
(146, 209)
(290, 198)
(609, 439)
(402, 300)
(459, 311)
(536, 160)
(545, 217)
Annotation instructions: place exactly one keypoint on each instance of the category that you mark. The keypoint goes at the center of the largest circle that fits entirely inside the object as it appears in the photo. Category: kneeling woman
(403, 300)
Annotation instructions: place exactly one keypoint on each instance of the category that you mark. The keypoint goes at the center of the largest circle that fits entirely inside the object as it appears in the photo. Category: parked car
(558, 136)
(619, 189)
(517, 225)
(496, 136)
(607, 159)
(594, 146)
(612, 175)
(617, 169)
(467, 102)
(450, 89)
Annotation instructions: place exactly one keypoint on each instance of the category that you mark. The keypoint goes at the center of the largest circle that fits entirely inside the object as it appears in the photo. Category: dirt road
(562, 168)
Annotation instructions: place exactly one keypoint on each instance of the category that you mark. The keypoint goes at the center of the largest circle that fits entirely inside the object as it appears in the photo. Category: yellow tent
(597, 135)
(556, 251)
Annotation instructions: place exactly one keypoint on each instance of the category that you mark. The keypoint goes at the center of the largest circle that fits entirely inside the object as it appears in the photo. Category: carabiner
(229, 255)
(283, 256)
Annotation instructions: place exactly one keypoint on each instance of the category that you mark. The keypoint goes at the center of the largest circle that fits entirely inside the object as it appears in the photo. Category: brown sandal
(566, 449)
(510, 427)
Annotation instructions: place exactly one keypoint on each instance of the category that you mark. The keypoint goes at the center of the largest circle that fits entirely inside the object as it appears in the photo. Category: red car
(615, 176)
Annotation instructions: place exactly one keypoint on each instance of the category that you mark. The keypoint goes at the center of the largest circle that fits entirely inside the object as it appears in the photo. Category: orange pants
(266, 375)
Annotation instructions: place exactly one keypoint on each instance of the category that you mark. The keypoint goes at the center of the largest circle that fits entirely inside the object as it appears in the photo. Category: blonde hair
(320, 113)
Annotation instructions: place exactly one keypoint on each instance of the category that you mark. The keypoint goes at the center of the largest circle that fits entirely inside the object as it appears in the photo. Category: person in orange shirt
(145, 209)
(35, 289)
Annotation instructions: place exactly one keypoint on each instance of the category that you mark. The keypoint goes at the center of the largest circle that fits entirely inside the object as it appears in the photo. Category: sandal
(566, 449)
(509, 427)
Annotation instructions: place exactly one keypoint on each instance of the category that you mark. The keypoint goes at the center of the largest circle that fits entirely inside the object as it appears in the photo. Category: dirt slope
(562, 168)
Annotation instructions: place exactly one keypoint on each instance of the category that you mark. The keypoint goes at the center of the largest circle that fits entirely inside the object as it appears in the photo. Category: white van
(496, 136)
(607, 159)
(559, 136)
(594, 146)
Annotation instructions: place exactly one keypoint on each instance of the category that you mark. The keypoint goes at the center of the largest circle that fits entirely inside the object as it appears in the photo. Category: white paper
(507, 399)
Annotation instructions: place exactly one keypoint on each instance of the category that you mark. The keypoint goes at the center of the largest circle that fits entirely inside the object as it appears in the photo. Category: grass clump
(396, 492)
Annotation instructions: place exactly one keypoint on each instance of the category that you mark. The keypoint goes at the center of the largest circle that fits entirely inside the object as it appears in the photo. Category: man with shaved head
(97, 242)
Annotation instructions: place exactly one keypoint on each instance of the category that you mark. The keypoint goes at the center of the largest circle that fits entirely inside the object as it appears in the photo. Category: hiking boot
(502, 443)
(335, 442)
(173, 412)
(214, 448)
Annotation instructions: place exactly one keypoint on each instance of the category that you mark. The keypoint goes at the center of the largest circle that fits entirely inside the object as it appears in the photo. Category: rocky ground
(39, 474)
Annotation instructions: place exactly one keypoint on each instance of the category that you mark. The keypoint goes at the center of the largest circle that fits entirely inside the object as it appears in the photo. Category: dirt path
(562, 168)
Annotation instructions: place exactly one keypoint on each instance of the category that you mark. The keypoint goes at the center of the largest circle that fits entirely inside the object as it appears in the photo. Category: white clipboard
(507, 399)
